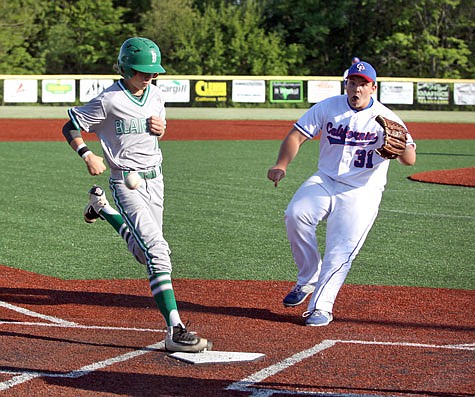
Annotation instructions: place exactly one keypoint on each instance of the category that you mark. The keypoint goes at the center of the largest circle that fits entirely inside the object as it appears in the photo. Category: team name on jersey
(131, 126)
(344, 136)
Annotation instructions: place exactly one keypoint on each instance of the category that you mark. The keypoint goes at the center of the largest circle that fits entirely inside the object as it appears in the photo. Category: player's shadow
(153, 385)
(51, 297)
(244, 312)
(127, 383)
(296, 318)
(70, 341)
(44, 296)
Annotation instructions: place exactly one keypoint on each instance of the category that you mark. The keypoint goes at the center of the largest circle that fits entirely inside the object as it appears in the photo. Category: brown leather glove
(395, 136)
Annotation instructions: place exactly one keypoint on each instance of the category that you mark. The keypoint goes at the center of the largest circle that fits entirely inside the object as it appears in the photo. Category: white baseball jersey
(348, 140)
(119, 120)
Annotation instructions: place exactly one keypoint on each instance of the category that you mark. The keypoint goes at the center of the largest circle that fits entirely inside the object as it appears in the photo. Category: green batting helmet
(139, 54)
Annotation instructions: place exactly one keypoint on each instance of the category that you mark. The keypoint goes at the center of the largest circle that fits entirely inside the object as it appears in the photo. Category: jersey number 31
(364, 158)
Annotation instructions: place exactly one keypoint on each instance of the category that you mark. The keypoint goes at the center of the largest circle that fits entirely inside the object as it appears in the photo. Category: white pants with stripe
(349, 213)
(142, 210)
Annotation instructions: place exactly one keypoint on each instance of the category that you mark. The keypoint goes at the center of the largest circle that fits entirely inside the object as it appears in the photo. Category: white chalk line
(79, 326)
(25, 376)
(431, 214)
(280, 366)
(468, 346)
(31, 313)
(244, 385)
(58, 322)
(248, 384)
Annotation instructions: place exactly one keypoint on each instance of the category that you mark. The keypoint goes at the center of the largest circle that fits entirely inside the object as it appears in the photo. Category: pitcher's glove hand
(395, 136)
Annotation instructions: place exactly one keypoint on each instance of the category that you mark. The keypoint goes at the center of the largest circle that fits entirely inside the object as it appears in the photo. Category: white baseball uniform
(345, 191)
(119, 120)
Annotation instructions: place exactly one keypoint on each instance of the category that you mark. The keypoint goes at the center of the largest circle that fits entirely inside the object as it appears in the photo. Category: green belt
(152, 174)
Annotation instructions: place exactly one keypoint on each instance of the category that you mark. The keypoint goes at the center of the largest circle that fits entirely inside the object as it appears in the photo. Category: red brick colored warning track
(87, 338)
(50, 130)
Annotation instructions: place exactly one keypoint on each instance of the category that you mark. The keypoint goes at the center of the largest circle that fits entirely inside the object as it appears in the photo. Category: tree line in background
(420, 38)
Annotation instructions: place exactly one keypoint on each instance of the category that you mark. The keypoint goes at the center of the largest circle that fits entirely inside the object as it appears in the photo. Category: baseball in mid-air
(133, 180)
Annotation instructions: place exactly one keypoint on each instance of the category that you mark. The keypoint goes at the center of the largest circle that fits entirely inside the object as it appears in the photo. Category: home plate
(216, 357)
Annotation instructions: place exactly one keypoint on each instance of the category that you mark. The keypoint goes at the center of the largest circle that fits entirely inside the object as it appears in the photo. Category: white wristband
(80, 147)
(85, 154)
(83, 150)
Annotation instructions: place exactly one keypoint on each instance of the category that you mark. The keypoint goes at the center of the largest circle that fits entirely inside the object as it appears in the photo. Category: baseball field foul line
(30, 313)
(259, 376)
(58, 322)
(247, 384)
(79, 326)
(27, 376)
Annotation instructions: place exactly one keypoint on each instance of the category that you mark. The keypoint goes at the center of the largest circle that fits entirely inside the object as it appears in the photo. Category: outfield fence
(242, 91)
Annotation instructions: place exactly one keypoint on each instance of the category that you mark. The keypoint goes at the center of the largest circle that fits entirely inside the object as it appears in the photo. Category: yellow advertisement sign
(210, 91)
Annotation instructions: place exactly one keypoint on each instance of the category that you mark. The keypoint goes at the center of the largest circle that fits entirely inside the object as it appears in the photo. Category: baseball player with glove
(358, 137)
(129, 119)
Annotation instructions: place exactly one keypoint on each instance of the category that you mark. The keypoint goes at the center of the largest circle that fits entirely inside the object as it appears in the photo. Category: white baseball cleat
(97, 201)
(178, 339)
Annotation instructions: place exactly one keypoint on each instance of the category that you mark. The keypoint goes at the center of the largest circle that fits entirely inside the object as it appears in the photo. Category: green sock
(162, 291)
(115, 219)
(160, 283)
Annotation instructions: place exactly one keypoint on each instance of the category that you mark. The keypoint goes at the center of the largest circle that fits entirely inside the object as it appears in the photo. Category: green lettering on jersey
(131, 126)
(119, 127)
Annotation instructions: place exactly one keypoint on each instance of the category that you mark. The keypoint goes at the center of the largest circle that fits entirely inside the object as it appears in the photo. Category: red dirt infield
(104, 337)
(460, 177)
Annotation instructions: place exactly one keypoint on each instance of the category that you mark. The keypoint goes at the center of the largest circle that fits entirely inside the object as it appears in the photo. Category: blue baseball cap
(363, 69)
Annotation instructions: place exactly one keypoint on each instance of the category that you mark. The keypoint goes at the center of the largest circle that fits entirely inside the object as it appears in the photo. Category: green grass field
(224, 219)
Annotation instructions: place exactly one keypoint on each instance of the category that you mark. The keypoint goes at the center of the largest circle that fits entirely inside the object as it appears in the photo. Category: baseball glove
(395, 136)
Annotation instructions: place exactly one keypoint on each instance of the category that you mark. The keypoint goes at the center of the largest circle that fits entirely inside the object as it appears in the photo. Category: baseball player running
(129, 119)
(345, 191)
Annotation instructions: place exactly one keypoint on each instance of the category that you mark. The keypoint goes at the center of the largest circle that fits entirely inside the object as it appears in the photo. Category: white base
(216, 357)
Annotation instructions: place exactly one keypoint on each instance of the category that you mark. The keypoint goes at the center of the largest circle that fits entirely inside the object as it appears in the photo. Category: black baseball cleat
(178, 339)
(97, 201)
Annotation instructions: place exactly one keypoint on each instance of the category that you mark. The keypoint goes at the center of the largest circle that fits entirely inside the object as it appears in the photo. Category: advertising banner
(464, 93)
(175, 90)
(433, 93)
(90, 88)
(58, 90)
(393, 92)
(210, 91)
(286, 91)
(20, 90)
(249, 91)
(318, 90)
